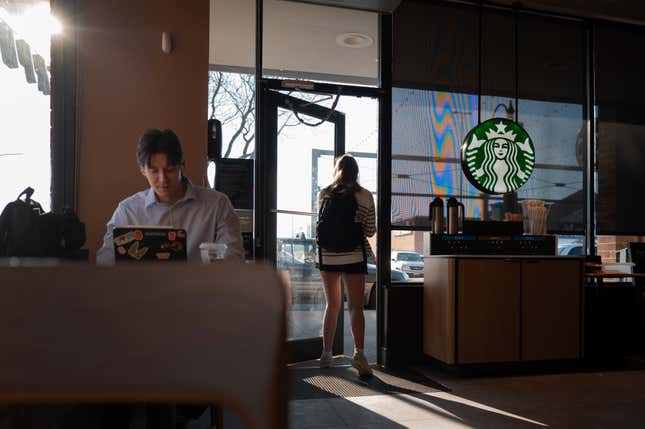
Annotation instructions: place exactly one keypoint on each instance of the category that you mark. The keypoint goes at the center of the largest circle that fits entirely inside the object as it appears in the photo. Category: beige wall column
(125, 85)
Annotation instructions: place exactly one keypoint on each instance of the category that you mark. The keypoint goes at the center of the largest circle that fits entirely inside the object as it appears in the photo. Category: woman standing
(351, 265)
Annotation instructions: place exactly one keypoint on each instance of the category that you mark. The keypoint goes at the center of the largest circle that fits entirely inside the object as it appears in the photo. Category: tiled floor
(577, 400)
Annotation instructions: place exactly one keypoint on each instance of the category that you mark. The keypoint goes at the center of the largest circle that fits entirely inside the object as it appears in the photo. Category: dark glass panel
(435, 46)
(621, 128)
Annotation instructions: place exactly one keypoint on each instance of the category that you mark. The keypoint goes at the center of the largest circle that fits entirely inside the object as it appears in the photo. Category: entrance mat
(343, 381)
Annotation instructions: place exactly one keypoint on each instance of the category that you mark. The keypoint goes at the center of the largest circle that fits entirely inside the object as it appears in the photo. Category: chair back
(152, 333)
(636, 254)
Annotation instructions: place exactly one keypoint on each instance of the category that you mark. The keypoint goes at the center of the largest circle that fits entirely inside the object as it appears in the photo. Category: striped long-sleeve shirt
(365, 215)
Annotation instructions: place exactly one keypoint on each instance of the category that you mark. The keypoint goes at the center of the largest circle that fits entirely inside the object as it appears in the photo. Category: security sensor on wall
(166, 42)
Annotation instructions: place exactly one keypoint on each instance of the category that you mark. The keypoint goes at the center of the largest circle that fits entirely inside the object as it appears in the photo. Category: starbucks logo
(498, 156)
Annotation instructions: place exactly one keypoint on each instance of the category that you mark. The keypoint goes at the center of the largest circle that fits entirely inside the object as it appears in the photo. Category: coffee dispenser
(456, 211)
(436, 215)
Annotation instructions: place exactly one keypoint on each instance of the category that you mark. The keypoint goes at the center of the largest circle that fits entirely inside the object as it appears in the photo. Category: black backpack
(26, 231)
(337, 229)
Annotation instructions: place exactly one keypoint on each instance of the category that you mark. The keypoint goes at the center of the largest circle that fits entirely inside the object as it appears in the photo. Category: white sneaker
(360, 363)
(326, 359)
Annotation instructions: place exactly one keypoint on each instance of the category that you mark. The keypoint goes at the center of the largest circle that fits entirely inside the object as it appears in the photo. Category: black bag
(337, 229)
(26, 231)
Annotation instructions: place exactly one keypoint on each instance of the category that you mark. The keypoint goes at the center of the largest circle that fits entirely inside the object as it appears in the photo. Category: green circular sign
(497, 156)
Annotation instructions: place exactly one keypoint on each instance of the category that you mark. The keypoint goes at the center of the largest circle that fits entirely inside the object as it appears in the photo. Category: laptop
(149, 243)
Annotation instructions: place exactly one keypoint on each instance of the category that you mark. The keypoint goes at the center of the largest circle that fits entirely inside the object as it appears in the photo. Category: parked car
(298, 257)
(409, 262)
(369, 301)
(570, 250)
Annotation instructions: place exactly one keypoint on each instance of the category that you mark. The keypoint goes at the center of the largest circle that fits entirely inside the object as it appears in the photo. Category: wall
(608, 245)
(232, 32)
(408, 240)
(125, 85)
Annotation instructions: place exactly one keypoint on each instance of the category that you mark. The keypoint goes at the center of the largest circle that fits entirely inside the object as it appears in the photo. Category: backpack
(26, 231)
(337, 229)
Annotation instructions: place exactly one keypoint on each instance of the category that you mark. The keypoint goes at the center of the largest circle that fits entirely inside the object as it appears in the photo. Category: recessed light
(354, 40)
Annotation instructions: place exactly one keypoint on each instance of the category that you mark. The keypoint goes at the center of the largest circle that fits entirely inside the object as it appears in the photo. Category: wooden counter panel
(438, 309)
(488, 315)
(550, 309)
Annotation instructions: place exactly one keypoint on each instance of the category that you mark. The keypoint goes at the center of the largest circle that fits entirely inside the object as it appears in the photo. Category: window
(428, 128)
(406, 261)
(620, 129)
(435, 103)
(231, 101)
(409, 257)
(25, 112)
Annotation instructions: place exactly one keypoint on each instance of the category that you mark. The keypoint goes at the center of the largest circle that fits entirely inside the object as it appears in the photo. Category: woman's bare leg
(355, 287)
(331, 285)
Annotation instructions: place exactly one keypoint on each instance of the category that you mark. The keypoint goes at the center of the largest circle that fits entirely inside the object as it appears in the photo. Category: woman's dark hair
(155, 141)
(345, 175)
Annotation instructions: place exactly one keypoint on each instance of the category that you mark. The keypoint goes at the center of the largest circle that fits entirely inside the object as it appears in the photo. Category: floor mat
(310, 382)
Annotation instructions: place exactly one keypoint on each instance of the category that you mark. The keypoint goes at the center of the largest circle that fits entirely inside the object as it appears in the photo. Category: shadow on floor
(425, 397)
(308, 381)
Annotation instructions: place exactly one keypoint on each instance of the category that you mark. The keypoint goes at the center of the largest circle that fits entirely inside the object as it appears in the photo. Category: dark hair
(155, 141)
(345, 175)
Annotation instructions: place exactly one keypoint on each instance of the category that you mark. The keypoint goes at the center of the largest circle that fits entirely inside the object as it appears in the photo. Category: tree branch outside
(231, 99)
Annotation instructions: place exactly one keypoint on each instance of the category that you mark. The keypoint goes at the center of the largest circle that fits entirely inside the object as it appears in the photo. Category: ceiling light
(354, 40)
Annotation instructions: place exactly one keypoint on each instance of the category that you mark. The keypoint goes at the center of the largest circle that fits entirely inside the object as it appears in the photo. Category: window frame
(63, 108)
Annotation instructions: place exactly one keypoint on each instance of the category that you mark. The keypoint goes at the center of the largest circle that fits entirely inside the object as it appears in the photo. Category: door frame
(305, 348)
(274, 100)
(384, 95)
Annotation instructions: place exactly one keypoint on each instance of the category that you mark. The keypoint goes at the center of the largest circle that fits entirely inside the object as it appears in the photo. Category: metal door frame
(306, 348)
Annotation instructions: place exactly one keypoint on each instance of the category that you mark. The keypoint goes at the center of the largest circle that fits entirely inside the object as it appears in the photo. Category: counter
(502, 308)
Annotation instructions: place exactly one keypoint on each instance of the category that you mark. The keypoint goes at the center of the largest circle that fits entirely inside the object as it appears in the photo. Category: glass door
(303, 139)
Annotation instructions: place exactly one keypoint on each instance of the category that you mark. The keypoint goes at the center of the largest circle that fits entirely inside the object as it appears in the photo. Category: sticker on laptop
(125, 238)
(135, 252)
(175, 246)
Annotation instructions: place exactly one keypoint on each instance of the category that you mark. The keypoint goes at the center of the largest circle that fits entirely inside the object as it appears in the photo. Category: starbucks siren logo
(497, 156)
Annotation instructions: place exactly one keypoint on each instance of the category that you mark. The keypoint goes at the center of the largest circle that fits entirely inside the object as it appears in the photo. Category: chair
(211, 334)
(637, 256)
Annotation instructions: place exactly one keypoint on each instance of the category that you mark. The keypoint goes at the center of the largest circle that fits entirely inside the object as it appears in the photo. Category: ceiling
(299, 40)
(386, 6)
(629, 11)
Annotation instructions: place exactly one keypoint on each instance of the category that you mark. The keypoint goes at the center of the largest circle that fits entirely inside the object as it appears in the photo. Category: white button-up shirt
(206, 214)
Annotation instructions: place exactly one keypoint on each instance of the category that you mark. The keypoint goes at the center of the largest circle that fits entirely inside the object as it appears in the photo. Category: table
(614, 313)
(612, 274)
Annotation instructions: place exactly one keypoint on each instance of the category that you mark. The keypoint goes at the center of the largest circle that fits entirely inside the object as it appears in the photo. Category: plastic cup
(212, 252)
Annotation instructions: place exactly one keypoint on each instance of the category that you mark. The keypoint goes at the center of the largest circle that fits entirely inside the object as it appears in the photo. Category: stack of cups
(534, 216)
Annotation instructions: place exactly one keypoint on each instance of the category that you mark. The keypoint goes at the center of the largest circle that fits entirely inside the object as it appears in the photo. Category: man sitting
(172, 200)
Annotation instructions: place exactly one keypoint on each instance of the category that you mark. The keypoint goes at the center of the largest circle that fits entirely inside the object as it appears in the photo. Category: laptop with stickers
(149, 243)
